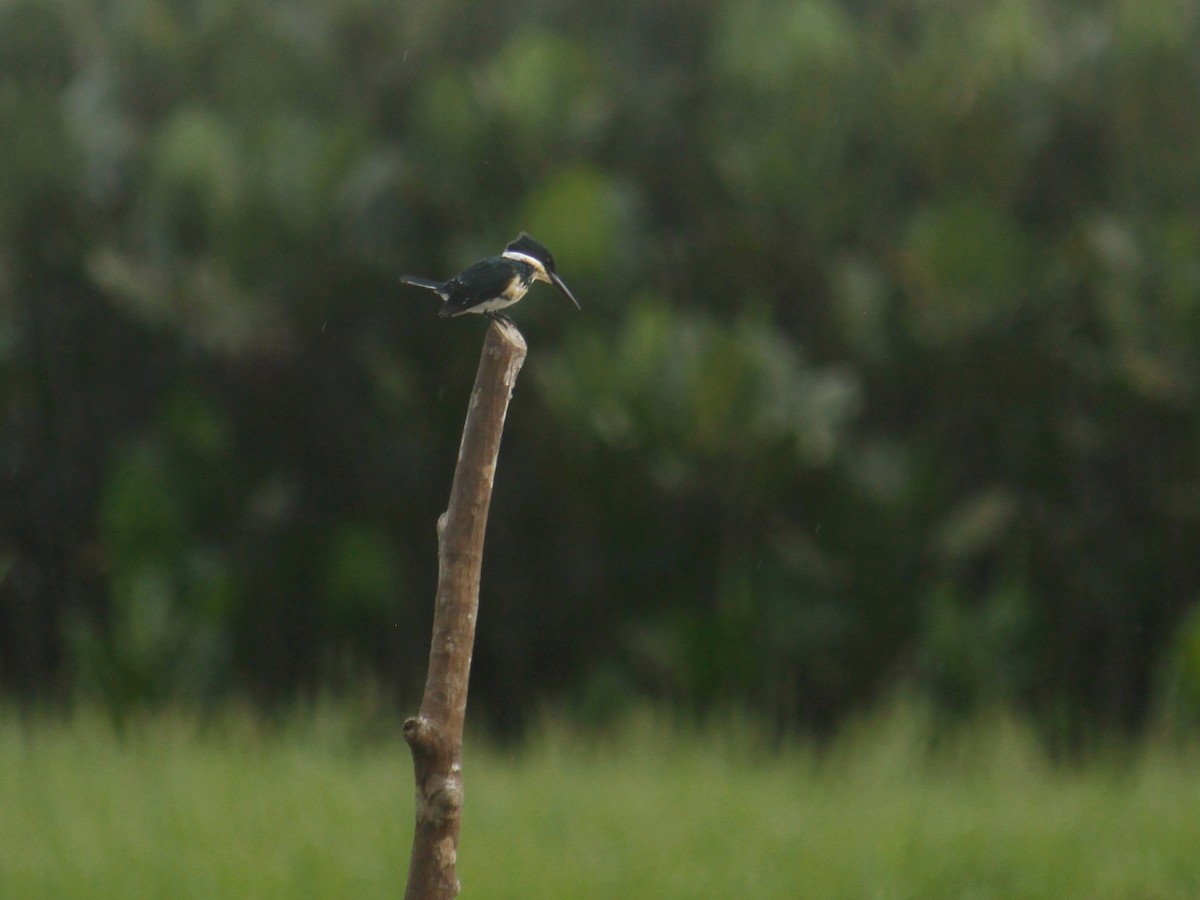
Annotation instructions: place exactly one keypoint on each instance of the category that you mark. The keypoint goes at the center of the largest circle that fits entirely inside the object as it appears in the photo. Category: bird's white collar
(525, 258)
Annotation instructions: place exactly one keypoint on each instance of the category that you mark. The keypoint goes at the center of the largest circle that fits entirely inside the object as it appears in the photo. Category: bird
(490, 285)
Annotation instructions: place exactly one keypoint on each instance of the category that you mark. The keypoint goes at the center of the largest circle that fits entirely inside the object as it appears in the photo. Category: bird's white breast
(511, 295)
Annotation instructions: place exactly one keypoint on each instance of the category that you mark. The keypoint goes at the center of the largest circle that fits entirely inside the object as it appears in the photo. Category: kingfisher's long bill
(497, 282)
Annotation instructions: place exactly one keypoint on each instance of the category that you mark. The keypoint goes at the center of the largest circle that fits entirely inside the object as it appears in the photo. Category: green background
(886, 375)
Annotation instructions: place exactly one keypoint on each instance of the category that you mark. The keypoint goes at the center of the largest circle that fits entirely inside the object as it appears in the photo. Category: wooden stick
(435, 734)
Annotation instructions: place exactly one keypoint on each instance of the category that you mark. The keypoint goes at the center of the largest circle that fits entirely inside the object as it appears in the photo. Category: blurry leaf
(170, 600)
(299, 161)
(1179, 688)
(976, 525)
(767, 42)
(692, 391)
(881, 469)
(1113, 244)
(197, 174)
(975, 654)
(549, 92)
(141, 518)
(1151, 25)
(584, 211)
(196, 427)
(107, 133)
(447, 117)
(35, 49)
(143, 605)
(861, 306)
(1147, 290)
(1178, 242)
(39, 161)
(212, 594)
(1013, 40)
(965, 264)
(201, 299)
(359, 579)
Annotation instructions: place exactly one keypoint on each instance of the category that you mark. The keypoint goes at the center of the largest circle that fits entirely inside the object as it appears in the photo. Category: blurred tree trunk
(435, 734)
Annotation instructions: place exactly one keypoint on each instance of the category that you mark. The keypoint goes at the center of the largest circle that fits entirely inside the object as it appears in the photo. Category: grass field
(321, 807)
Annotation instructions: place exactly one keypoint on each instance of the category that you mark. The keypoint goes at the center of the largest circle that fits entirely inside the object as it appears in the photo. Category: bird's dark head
(535, 251)
(530, 251)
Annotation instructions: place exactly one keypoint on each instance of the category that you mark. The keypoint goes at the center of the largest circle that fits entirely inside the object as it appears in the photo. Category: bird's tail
(436, 286)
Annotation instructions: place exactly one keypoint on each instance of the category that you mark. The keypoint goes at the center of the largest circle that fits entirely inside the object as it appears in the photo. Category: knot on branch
(442, 804)
(424, 738)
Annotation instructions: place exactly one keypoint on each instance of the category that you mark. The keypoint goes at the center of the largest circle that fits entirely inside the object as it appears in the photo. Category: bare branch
(435, 734)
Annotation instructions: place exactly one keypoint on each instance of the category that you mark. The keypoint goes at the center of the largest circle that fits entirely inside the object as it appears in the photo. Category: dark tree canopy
(887, 373)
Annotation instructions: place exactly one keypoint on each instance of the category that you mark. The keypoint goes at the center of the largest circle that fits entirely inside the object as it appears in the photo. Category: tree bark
(435, 734)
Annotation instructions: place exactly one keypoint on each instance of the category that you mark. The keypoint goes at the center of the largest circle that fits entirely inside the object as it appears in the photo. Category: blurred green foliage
(887, 371)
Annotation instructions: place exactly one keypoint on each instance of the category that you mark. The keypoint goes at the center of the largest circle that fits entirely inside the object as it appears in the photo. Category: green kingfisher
(496, 282)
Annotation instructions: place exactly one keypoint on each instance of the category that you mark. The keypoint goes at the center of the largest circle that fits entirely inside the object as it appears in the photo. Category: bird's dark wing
(485, 280)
